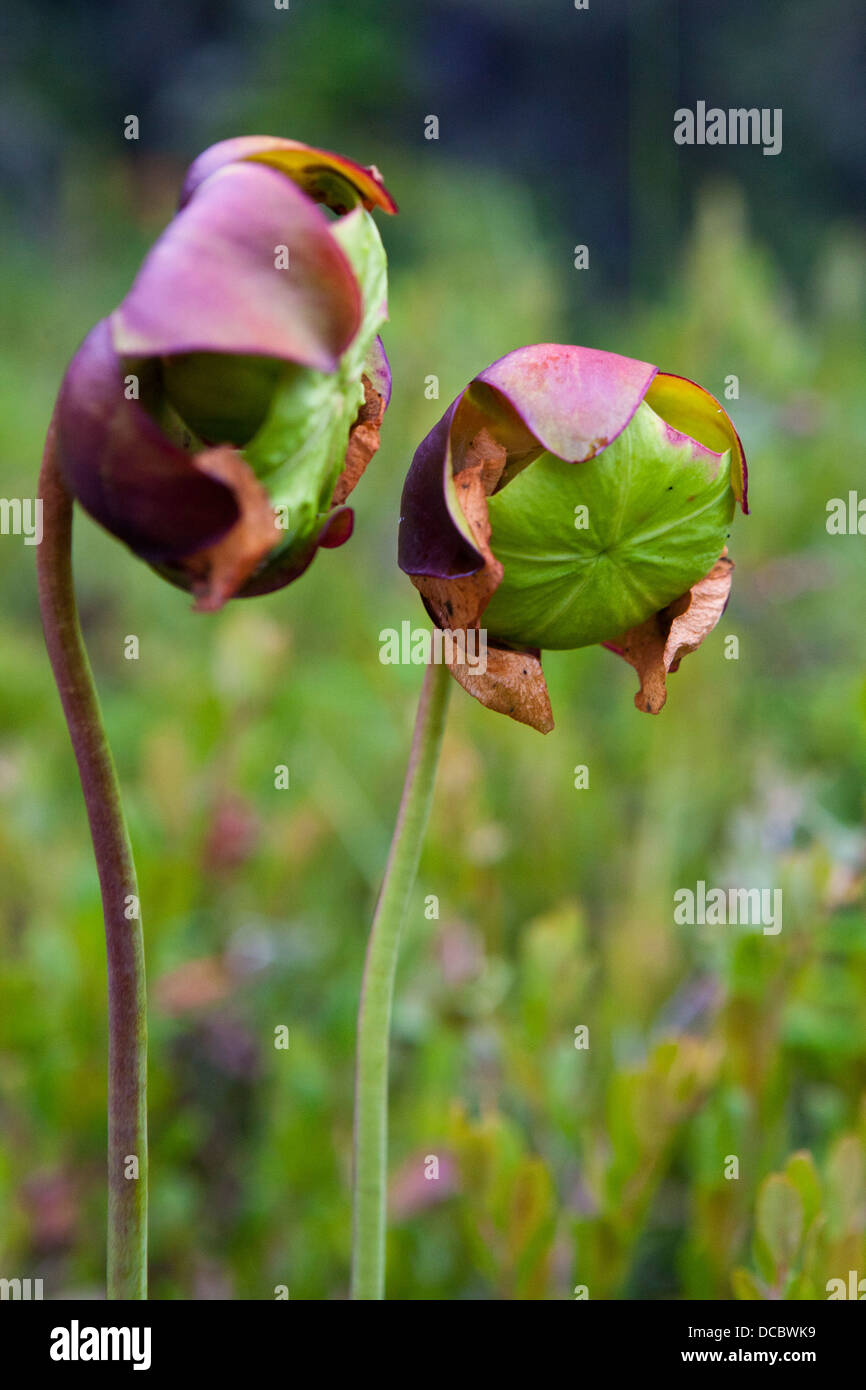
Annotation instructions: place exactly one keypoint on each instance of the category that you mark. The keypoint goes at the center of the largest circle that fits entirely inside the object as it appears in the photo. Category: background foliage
(605, 1166)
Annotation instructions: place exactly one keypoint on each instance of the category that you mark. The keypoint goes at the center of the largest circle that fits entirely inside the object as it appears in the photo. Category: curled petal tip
(693, 411)
(323, 176)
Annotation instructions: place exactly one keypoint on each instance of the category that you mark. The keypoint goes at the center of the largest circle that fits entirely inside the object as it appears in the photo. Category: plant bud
(571, 497)
(217, 421)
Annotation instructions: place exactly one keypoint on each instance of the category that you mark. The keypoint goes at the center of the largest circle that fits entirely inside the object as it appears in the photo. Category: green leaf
(658, 509)
(780, 1220)
(846, 1185)
(801, 1171)
(531, 1226)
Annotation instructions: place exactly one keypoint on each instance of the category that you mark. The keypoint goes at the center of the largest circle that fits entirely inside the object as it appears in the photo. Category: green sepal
(299, 451)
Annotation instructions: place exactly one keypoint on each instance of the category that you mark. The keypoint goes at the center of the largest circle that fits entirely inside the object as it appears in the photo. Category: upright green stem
(374, 1018)
(127, 1021)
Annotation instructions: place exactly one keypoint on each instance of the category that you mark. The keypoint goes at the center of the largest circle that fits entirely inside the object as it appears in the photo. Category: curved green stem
(127, 1022)
(374, 1017)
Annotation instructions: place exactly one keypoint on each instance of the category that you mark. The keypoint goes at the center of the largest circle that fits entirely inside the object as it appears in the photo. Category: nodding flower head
(569, 497)
(217, 421)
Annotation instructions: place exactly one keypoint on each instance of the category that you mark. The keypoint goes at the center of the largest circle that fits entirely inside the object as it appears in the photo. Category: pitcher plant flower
(567, 497)
(216, 423)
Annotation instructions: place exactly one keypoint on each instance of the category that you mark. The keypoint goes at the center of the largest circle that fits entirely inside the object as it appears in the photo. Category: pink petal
(574, 400)
(211, 282)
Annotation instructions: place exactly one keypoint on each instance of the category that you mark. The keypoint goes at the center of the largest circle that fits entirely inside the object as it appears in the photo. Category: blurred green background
(559, 1167)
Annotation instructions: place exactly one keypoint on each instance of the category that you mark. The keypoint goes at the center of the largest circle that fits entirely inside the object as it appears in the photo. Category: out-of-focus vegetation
(559, 1166)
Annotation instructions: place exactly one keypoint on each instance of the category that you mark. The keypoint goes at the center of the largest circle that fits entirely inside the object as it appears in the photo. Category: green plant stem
(127, 1020)
(377, 992)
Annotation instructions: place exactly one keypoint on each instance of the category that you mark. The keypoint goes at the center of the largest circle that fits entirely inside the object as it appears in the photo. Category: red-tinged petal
(574, 400)
(659, 645)
(323, 176)
(214, 280)
(337, 529)
(283, 569)
(693, 411)
(124, 471)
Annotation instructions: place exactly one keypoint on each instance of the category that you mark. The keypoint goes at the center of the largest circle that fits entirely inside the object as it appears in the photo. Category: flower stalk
(377, 990)
(127, 1021)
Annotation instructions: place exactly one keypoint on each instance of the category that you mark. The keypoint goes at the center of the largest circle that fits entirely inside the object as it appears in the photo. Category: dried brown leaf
(220, 570)
(363, 442)
(658, 646)
(513, 684)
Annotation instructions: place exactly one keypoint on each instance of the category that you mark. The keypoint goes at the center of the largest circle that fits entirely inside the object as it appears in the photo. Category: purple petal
(122, 468)
(211, 282)
(431, 540)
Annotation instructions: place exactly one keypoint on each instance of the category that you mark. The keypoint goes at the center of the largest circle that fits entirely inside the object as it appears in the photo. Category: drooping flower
(217, 421)
(567, 497)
